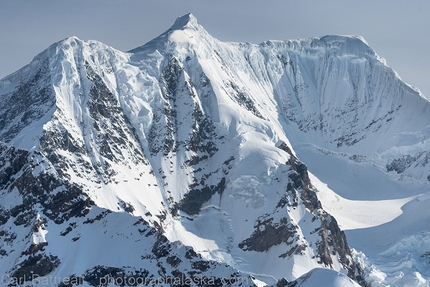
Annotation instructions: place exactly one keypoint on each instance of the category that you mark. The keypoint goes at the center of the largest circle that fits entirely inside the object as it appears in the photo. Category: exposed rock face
(57, 199)
(175, 158)
(269, 233)
(332, 238)
(27, 103)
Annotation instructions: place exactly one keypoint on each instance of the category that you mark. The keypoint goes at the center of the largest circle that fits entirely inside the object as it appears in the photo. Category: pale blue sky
(397, 30)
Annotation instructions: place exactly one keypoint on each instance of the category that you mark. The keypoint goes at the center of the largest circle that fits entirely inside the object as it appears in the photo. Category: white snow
(325, 277)
(383, 217)
(333, 100)
(39, 236)
(349, 213)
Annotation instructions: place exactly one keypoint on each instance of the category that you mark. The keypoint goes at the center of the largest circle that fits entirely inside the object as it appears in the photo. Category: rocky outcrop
(159, 159)
(332, 239)
(28, 102)
(268, 234)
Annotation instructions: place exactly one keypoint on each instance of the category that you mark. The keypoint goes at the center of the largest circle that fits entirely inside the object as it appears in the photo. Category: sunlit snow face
(190, 121)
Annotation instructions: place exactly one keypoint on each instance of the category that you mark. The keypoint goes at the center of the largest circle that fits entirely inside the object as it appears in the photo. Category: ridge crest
(185, 21)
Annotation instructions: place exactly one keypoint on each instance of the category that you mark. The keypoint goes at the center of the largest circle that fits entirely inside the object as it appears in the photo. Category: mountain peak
(186, 146)
(347, 44)
(186, 21)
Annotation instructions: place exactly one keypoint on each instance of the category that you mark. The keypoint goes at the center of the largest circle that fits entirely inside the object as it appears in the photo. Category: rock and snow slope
(178, 160)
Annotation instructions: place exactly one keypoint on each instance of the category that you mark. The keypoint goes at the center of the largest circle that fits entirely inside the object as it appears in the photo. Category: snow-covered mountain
(185, 162)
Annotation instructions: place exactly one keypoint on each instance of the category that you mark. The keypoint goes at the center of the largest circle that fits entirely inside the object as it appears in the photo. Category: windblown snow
(189, 157)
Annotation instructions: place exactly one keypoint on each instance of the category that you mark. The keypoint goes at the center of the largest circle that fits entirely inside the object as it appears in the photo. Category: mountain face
(174, 164)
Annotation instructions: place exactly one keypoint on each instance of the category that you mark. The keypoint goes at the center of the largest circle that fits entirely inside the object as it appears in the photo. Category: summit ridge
(189, 157)
(186, 21)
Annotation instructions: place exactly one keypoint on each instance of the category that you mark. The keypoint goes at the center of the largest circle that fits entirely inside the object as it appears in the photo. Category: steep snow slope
(182, 153)
(337, 94)
(153, 148)
(385, 218)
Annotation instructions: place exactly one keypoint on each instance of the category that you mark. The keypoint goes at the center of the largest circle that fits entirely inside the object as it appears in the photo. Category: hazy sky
(398, 30)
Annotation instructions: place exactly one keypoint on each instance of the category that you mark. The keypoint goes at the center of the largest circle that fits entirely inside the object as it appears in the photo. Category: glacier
(189, 157)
